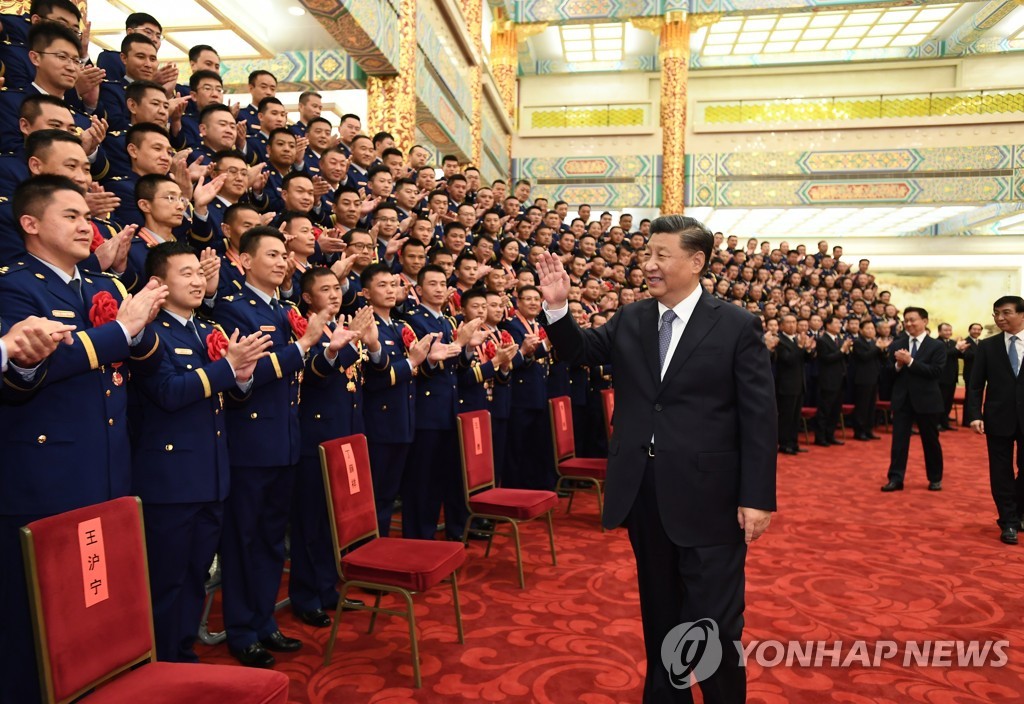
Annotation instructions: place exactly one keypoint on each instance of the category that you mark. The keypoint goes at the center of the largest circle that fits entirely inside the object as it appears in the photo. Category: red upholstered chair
(86, 571)
(512, 506)
(373, 563)
(590, 472)
(886, 408)
(608, 404)
(806, 413)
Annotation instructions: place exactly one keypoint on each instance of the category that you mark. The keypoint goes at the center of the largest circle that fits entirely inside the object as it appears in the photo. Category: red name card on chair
(350, 467)
(94, 561)
(478, 442)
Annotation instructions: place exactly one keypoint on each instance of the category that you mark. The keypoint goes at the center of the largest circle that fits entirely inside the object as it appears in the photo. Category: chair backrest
(349, 487)
(87, 575)
(476, 450)
(608, 404)
(561, 428)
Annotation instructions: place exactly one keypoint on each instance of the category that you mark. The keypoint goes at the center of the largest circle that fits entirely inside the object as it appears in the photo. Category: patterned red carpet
(841, 562)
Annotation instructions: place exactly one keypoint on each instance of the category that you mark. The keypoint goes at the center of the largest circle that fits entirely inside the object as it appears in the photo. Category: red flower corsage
(216, 345)
(97, 239)
(408, 337)
(103, 310)
(506, 338)
(543, 334)
(298, 323)
(488, 351)
(456, 299)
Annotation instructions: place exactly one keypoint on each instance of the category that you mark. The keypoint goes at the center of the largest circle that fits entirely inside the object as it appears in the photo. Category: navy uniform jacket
(263, 429)
(67, 446)
(123, 187)
(232, 276)
(13, 170)
(11, 137)
(298, 129)
(256, 145)
(180, 440)
(389, 409)
(351, 301)
(530, 381)
(355, 178)
(250, 114)
(134, 277)
(437, 393)
(332, 396)
(110, 61)
(476, 385)
(113, 103)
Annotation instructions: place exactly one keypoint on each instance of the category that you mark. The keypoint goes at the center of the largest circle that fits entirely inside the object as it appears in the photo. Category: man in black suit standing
(968, 348)
(950, 374)
(691, 466)
(869, 355)
(997, 366)
(918, 361)
(831, 353)
(790, 353)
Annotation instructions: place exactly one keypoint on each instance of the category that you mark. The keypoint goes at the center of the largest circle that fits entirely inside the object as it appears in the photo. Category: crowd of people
(195, 294)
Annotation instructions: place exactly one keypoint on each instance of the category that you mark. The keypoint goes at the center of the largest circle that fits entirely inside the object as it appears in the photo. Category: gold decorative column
(472, 13)
(391, 100)
(674, 54)
(503, 64)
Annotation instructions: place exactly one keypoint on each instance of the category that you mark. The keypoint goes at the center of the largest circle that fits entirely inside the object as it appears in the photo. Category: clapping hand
(244, 352)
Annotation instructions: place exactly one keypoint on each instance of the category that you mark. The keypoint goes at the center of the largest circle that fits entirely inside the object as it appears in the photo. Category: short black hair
(278, 130)
(317, 120)
(233, 210)
(256, 74)
(44, 34)
(40, 141)
(250, 241)
(449, 157)
(45, 7)
(136, 38)
(32, 106)
(136, 90)
(137, 133)
(137, 19)
(1016, 301)
(309, 277)
(380, 137)
(694, 235)
(351, 116)
(158, 257)
(212, 108)
(305, 95)
(195, 52)
(202, 75)
(269, 100)
(291, 176)
(455, 177)
(372, 172)
(391, 151)
(916, 309)
(32, 195)
(475, 292)
(146, 186)
(430, 269)
(372, 272)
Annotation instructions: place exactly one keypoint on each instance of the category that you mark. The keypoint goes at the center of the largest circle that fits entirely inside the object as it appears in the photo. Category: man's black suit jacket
(1004, 398)
(968, 355)
(713, 418)
(831, 363)
(917, 386)
(789, 367)
(951, 370)
(869, 361)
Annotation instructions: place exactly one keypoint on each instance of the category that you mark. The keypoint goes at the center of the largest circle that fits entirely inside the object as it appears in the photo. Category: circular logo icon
(691, 652)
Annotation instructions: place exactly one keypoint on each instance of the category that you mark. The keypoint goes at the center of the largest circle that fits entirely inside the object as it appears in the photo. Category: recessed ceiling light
(296, 10)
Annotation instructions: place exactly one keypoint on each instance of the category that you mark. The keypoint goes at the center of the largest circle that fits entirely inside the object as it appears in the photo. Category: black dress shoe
(822, 443)
(787, 450)
(800, 449)
(1009, 535)
(872, 436)
(934, 486)
(317, 618)
(862, 438)
(893, 486)
(280, 643)
(254, 656)
(833, 441)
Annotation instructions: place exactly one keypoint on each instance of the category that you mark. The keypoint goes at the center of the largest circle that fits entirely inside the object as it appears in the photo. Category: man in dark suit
(997, 367)
(790, 354)
(950, 374)
(691, 466)
(831, 354)
(918, 361)
(968, 348)
(869, 355)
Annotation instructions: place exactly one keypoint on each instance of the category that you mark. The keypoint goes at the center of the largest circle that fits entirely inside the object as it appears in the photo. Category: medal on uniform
(116, 376)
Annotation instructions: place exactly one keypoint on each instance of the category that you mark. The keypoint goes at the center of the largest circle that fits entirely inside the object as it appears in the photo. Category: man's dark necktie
(76, 286)
(665, 335)
(913, 347)
(1014, 358)
(191, 325)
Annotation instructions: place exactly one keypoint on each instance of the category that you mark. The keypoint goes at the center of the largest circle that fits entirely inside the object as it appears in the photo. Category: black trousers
(685, 584)
(864, 398)
(829, 404)
(948, 392)
(903, 420)
(1007, 490)
(789, 419)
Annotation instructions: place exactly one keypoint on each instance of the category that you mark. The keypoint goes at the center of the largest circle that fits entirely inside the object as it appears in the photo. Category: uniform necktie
(191, 325)
(1014, 359)
(76, 286)
(665, 334)
(913, 348)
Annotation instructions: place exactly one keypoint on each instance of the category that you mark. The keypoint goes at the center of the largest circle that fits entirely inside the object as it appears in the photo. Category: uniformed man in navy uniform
(180, 466)
(262, 84)
(263, 434)
(72, 428)
(332, 407)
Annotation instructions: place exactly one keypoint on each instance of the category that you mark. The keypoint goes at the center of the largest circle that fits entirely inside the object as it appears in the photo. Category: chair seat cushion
(415, 565)
(522, 504)
(173, 683)
(883, 404)
(593, 467)
(808, 412)
(846, 409)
